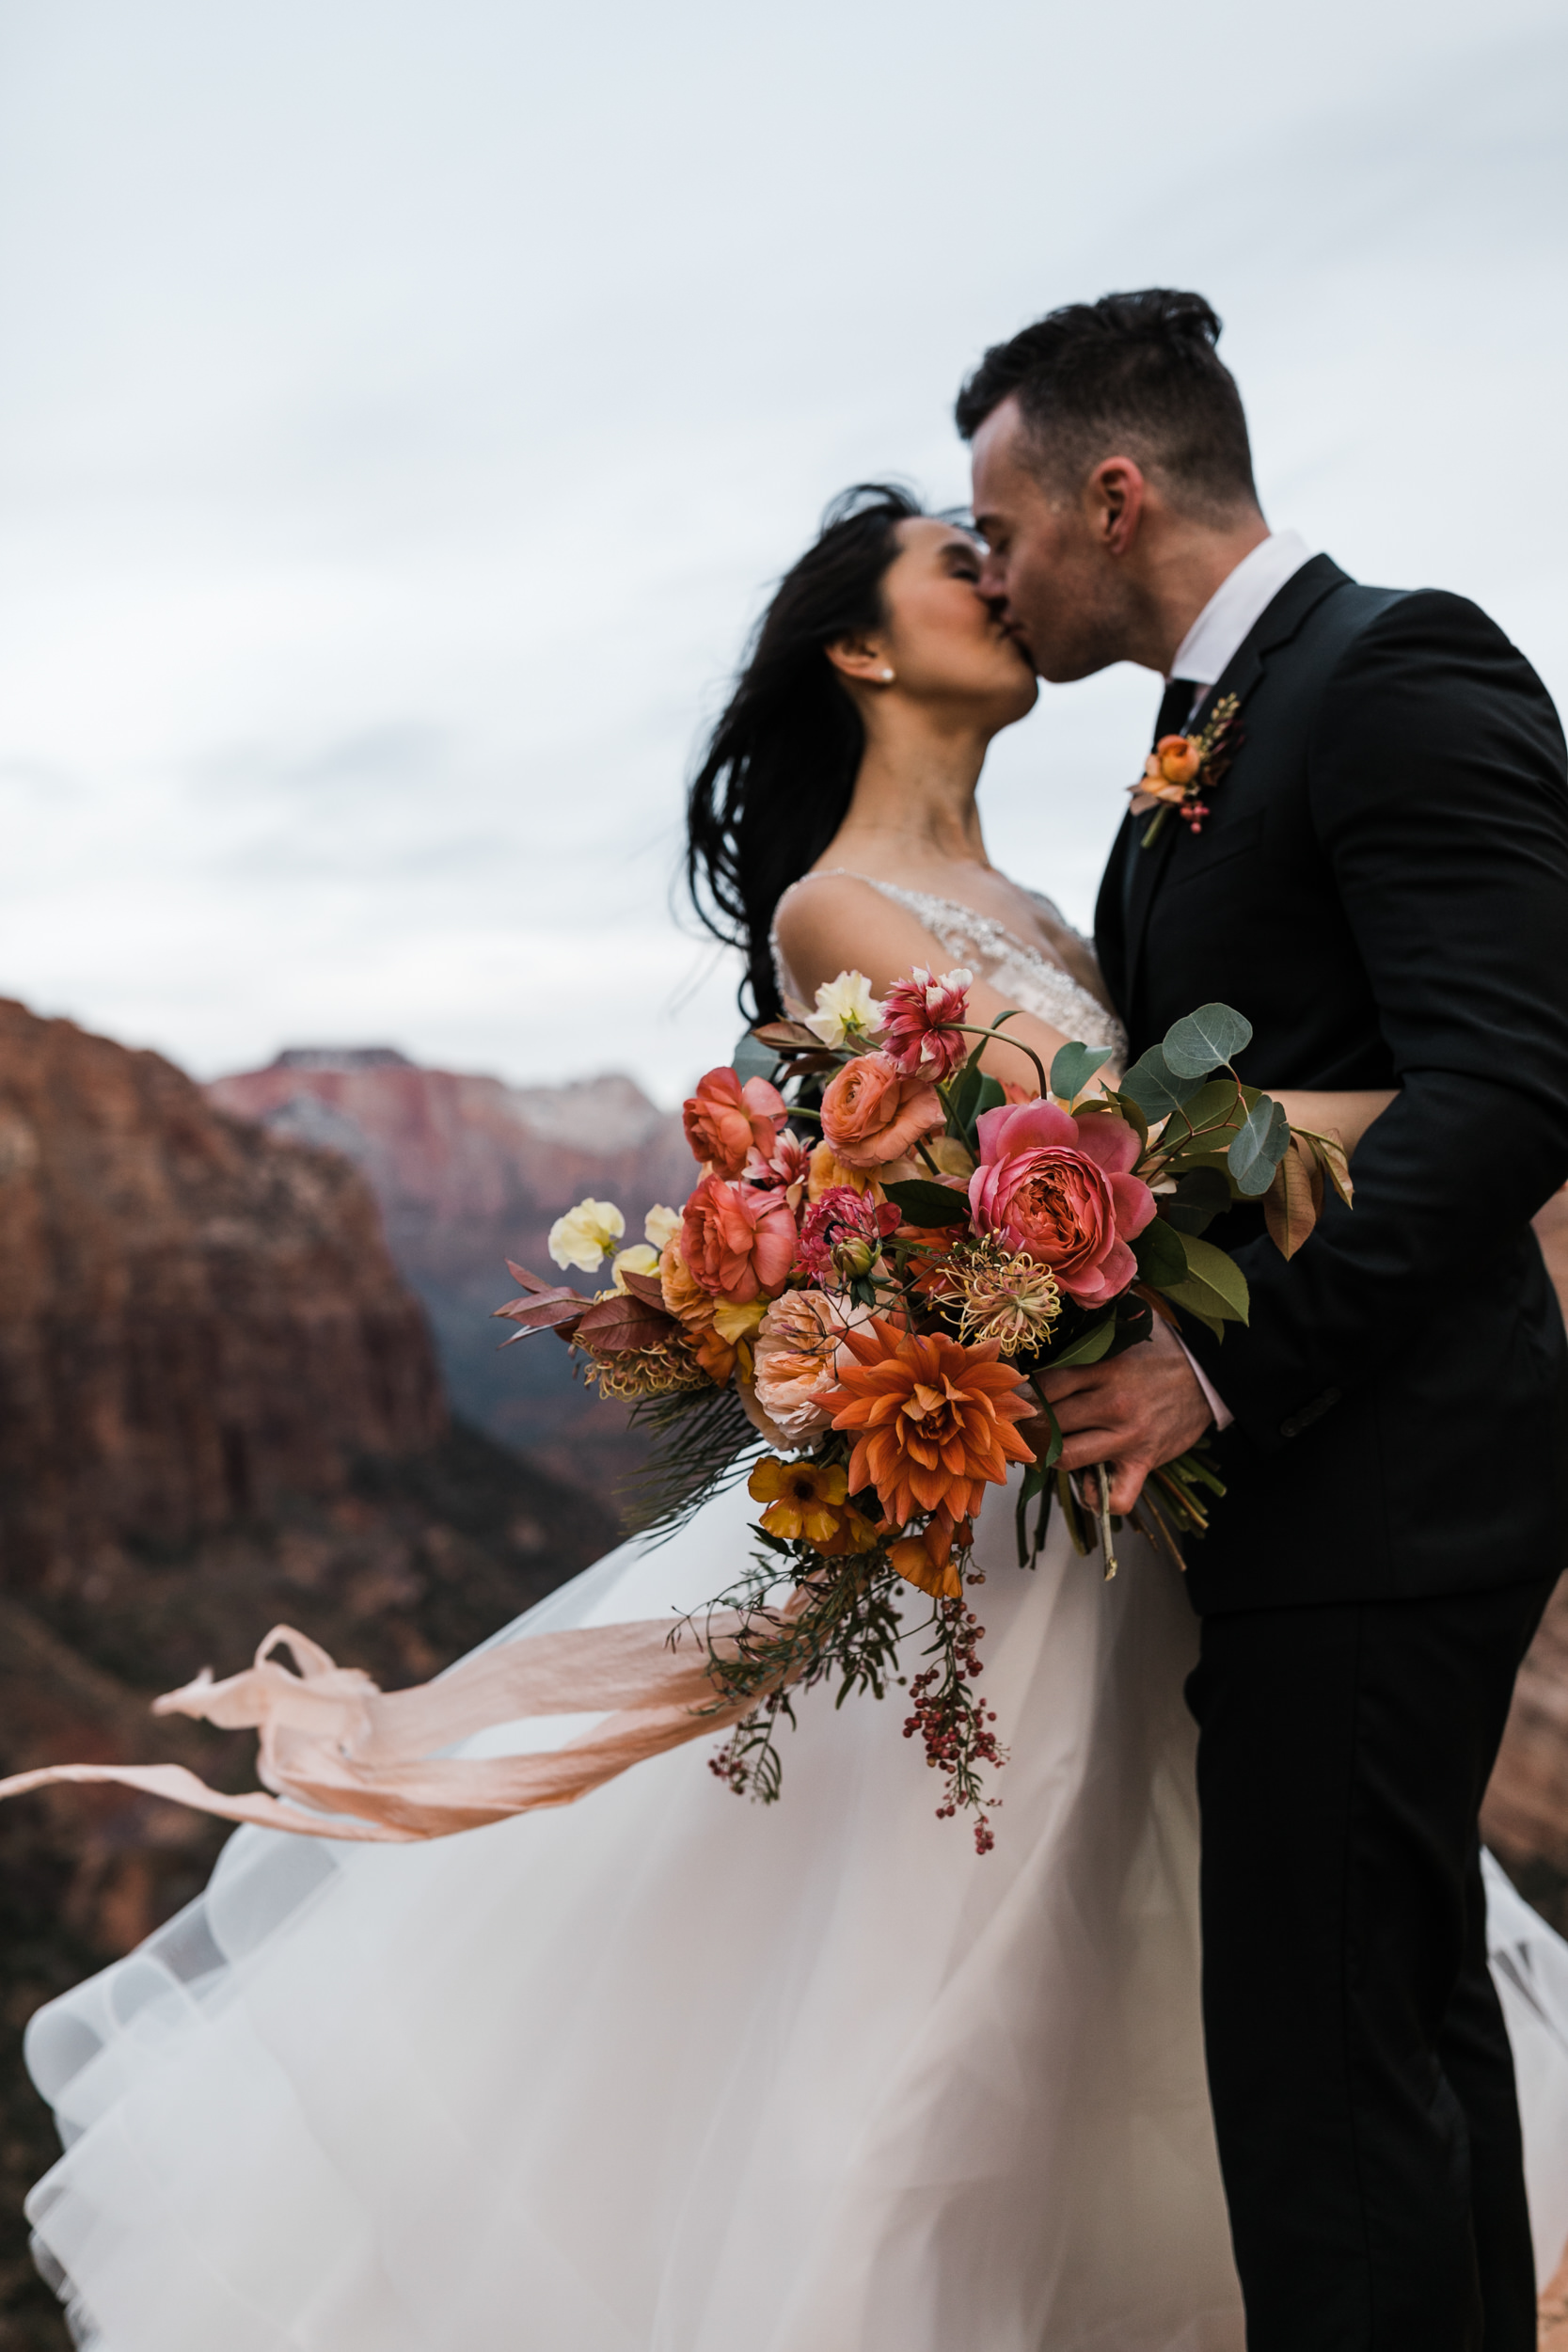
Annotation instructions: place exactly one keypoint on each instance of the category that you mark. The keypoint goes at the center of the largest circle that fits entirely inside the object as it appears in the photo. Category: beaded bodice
(1014, 967)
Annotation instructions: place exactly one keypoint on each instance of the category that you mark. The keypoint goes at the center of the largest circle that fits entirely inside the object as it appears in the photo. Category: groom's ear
(1115, 498)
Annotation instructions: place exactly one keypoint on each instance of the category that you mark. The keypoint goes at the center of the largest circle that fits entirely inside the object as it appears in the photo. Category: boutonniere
(1182, 768)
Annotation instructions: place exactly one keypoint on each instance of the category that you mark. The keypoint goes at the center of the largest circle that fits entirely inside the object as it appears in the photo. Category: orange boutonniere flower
(1182, 768)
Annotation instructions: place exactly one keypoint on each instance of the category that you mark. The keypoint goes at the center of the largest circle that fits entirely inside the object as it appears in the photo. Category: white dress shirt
(1204, 654)
(1237, 604)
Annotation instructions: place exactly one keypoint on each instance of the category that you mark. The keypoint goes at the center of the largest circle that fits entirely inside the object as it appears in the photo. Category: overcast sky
(404, 406)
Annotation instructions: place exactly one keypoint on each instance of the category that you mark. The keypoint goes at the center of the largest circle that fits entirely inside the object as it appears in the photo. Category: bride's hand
(1347, 1112)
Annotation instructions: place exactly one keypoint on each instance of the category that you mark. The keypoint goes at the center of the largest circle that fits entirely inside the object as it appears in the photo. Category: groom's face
(1046, 570)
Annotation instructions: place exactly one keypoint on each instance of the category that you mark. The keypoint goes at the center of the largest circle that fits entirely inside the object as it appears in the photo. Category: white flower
(586, 1236)
(660, 1226)
(847, 1011)
(638, 1259)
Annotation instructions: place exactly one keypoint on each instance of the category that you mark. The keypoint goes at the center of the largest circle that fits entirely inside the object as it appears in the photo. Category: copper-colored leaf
(1290, 1210)
(622, 1325)
(644, 1286)
(530, 1281)
(784, 1035)
(560, 1310)
(807, 1066)
(1330, 1153)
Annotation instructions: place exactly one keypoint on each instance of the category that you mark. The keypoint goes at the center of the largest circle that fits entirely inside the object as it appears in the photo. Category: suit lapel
(1274, 626)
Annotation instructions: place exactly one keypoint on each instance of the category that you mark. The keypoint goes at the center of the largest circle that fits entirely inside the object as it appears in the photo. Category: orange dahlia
(935, 1419)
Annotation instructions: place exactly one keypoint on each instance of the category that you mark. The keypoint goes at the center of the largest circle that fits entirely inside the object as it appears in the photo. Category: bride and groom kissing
(653, 2072)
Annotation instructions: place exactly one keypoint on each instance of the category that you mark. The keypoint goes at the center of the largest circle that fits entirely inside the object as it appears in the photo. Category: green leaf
(1155, 1087)
(1160, 1254)
(1074, 1066)
(962, 1099)
(1134, 1115)
(753, 1059)
(1260, 1145)
(1201, 1195)
(1191, 1297)
(992, 1094)
(925, 1204)
(1089, 1347)
(1212, 1111)
(1218, 1272)
(1205, 1039)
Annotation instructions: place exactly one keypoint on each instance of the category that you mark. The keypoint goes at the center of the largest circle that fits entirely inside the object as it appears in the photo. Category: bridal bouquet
(884, 1249)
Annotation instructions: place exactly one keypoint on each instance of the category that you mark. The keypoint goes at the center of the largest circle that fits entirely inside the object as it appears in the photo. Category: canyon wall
(470, 1171)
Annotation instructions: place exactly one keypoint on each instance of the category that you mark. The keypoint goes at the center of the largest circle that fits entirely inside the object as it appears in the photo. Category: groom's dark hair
(1134, 374)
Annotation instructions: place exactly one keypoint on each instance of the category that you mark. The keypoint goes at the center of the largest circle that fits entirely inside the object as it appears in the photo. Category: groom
(1381, 885)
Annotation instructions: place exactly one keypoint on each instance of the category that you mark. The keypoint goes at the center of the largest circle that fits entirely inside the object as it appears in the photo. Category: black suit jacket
(1382, 888)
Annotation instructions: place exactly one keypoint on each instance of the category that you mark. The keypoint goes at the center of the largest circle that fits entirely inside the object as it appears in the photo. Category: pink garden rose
(799, 1344)
(737, 1241)
(918, 1036)
(1062, 1188)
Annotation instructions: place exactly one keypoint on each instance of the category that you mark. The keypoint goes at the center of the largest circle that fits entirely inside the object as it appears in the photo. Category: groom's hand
(1134, 1411)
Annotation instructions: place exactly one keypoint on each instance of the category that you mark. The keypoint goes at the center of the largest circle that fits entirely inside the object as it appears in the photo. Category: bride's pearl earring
(887, 678)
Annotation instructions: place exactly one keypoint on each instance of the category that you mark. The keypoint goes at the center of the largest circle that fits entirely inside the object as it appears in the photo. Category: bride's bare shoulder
(832, 920)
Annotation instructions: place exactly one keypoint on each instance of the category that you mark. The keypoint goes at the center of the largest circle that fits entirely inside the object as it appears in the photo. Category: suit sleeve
(1439, 795)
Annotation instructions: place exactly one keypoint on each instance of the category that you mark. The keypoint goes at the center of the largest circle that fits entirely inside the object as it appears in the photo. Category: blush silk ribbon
(370, 1758)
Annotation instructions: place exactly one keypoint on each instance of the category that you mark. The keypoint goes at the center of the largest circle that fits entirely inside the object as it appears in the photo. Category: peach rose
(872, 1114)
(1062, 1188)
(725, 1121)
(695, 1311)
(797, 1350)
(737, 1241)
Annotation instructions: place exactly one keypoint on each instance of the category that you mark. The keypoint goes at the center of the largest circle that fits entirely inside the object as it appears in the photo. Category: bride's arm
(842, 924)
(1347, 1111)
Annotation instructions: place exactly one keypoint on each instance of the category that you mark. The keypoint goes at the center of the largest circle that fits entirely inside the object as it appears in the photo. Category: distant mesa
(341, 1058)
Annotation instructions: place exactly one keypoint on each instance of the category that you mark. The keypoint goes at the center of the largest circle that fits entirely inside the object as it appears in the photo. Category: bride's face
(941, 640)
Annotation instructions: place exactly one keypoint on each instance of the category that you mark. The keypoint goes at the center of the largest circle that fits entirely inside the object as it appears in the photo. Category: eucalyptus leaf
(1219, 1272)
(1156, 1088)
(1260, 1146)
(925, 1204)
(1089, 1347)
(753, 1059)
(1074, 1066)
(1160, 1254)
(1205, 1039)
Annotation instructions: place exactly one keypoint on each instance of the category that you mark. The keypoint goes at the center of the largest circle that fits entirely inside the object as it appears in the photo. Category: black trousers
(1361, 2076)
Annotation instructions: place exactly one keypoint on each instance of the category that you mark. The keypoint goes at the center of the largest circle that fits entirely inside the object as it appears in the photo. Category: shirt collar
(1237, 604)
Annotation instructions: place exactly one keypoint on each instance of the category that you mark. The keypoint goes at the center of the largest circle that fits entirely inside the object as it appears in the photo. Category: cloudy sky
(404, 406)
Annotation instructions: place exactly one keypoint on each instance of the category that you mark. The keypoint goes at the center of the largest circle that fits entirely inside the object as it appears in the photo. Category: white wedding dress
(666, 2072)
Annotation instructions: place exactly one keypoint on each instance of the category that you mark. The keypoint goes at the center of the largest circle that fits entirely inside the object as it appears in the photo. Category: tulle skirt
(664, 2072)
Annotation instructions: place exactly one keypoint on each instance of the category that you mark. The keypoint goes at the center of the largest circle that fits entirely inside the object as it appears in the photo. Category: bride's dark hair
(780, 764)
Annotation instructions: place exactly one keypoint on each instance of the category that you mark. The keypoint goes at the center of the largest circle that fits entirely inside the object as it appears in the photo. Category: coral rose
(935, 1420)
(799, 1349)
(725, 1121)
(1062, 1188)
(871, 1113)
(737, 1241)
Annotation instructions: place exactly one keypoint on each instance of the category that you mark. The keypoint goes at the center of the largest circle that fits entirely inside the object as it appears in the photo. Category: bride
(660, 2071)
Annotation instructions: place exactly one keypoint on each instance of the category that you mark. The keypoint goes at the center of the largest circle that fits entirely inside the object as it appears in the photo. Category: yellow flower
(847, 1011)
(638, 1259)
(808, 1502)
(824, 1172)
(586, 1236)
(660, 1226)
